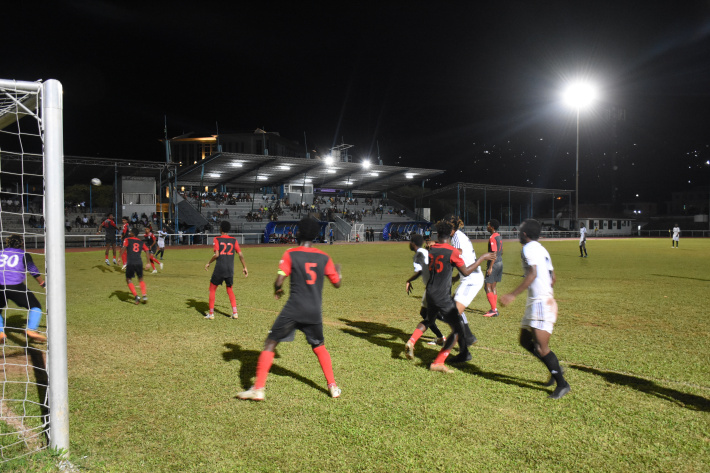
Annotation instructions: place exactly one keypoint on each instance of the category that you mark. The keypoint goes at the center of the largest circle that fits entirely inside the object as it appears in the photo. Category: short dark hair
(417, 239)
(494, 223)
(444, 227)
(456, 222)
(15, 241)
(225, 226)
(135, 231)
(532, 228)
(308, 229)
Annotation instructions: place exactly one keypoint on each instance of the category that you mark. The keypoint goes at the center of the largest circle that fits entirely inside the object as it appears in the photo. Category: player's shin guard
(33, 318)
(492, 300)
(553, 364)
(142, 284)
(133, 289)
(124, 258)
(266, 358)
(441, 357)
(213, 291)
(415, 336)
(232, 299)
(325, 363)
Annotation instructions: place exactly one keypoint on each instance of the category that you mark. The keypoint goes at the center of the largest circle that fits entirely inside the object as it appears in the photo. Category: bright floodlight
(366, 164)
(580, 94)
(328, 160)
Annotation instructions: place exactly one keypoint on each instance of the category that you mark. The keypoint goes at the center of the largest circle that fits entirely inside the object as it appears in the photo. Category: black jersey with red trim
(495, 243)
(134, 246)
(149, 238)
(124, 231)
(307, 268)
(442, 260)
(109, 227)
(225, 246)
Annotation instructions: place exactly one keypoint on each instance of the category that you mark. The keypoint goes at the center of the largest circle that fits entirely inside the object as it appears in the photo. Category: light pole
(579, 95)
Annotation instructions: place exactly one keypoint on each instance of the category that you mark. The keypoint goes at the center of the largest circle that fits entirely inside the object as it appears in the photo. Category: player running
(133, 247)
(150, 242)
(124, 235)
(225, 247)
(110, 228)
(161, 243)
(421, 268)
(494, 271)
(307, 267)
(442, 259)
(14, 265)
(541, 308)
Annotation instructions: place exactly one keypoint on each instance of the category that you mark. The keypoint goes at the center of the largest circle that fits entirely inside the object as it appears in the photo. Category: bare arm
(278, 289)
(466, 270)
(214, 257)
(408, 286)
(527, 281)
(244, 264)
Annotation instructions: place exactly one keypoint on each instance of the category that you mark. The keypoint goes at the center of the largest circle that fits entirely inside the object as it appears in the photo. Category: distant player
(421, 268)
(676, 236)
(225, 247)
(124, 235)
(442, 259)
(151, 243)
(14, 264)
(134, 267)
(110, 228)
(308, 267)
(541, 309)
(494, 271)
(582, 240)
(161, 243)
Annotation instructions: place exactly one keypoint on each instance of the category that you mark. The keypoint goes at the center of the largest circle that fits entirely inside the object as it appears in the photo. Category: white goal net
(33, 371)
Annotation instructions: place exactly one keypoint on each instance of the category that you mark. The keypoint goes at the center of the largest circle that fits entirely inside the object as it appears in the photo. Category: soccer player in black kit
(109, 226)
(134, 266)
(307, 267)
(224, 247)
(442, 259)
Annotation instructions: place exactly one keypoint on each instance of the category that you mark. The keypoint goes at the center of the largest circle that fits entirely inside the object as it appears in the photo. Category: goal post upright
(52, 122)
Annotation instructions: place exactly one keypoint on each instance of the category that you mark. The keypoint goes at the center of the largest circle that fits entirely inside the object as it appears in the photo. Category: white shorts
(676, 238)
(540, 315)
(469, 287)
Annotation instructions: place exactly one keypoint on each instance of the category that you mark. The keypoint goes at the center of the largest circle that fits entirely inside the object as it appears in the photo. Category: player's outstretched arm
(408, 287)
(506, 299)
(466, 270)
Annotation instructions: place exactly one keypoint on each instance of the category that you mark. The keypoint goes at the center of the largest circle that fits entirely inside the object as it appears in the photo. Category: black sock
(435, 330)
(553, 364)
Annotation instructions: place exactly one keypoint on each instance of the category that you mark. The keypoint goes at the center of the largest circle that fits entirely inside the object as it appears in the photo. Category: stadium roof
(250, 171)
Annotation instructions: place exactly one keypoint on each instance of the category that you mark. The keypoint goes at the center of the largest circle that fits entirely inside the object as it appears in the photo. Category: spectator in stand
(67, 225)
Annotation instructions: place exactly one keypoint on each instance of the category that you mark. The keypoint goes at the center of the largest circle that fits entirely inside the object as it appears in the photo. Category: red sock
(124, 257)
(232, 299)
(213, 291)
(153, 260)
(441, 357)
(262, 368)
(415, 336)
(325, 363)
(132, 288)
(492, 300)
(142, 283)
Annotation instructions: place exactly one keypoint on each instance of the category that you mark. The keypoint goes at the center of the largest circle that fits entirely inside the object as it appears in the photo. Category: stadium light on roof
(366, 164)
(328, 160)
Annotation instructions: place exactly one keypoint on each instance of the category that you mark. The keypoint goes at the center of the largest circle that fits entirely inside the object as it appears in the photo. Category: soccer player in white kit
(582, 240)
(468, 287)
(541, 308)
(676, 236)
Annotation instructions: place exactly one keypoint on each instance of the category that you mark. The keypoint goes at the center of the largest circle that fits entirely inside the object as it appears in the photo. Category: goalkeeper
(14, 265)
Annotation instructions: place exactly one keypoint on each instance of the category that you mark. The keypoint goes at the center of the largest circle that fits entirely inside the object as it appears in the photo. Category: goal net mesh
(24, 404)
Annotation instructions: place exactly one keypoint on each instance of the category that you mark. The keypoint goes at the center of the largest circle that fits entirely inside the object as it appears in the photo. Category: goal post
(22, 143)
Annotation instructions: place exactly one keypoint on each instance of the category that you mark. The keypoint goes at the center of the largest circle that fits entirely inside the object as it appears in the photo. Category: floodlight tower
(579, 95)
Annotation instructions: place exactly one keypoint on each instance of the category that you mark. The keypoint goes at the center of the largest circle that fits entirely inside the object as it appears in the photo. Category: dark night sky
(472, 87)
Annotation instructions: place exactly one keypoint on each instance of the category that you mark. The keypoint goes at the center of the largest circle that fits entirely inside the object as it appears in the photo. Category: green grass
(152, 388)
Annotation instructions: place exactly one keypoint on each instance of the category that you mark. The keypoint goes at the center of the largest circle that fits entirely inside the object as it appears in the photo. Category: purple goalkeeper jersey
(14, 263)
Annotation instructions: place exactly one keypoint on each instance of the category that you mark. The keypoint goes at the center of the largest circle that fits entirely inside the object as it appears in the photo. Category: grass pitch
(152, 387)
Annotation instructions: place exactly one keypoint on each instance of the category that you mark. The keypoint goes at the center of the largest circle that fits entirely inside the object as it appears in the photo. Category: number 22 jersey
(225, 246)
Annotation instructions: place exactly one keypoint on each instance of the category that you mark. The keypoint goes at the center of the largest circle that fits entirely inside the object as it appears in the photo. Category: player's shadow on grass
(247, 370)
(104, 268)
(122, 296)
(689, 401)
(497, 377)
(679, 277)
(203, 307)
(385, 336)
